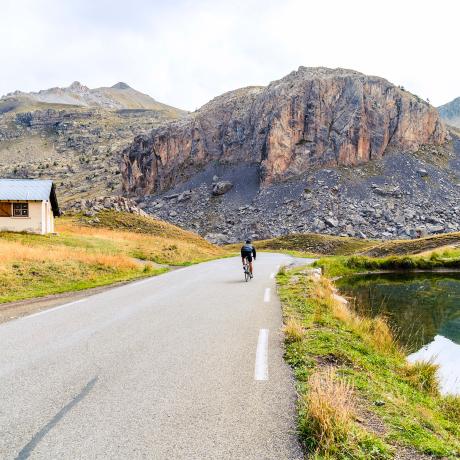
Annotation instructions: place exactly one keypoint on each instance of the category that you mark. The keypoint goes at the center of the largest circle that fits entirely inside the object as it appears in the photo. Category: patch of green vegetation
(291, 252)
(338, 266)
(358, 396)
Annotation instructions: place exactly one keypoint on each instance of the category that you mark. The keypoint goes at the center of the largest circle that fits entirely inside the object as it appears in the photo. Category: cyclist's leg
(250, 259)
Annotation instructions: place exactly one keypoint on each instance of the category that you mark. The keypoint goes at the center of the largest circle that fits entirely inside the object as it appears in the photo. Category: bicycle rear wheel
(247, 277)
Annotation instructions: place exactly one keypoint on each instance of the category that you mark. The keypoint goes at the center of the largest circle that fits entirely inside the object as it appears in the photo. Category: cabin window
(21, 209)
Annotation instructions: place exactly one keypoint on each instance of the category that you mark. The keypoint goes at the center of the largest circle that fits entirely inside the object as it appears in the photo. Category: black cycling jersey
(248, 250)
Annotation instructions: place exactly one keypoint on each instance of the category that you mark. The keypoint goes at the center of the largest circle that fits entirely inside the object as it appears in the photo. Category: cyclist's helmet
(248, 241)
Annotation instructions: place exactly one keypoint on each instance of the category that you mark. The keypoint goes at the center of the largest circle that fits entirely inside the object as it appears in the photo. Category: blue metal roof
(25, 189)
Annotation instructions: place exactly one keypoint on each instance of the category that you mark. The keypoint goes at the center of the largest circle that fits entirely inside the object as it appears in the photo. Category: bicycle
(247, 273)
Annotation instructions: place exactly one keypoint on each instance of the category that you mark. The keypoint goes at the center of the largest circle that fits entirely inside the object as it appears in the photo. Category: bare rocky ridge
(74, 135)
(118, 96)
(312, 117)
(330, 151)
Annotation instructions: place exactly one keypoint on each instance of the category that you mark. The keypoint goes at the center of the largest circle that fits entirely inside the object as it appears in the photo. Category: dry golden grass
(329, 408)
(374, 331)
(13, 251)
(81, 256)
(321, 291)
(293, 330)
(168, 245)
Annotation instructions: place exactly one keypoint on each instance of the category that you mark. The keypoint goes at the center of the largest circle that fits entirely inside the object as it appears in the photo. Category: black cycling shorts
(248, 256)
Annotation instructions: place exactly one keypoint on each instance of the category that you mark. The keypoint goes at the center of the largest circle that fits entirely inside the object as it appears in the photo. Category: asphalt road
(187, 365)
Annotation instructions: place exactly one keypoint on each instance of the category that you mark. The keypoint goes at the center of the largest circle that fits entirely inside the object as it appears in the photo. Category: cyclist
(248, 251)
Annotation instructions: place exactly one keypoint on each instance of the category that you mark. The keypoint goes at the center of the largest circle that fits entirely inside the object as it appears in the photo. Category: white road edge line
(261, 366)
(53, 309)
(267, 295)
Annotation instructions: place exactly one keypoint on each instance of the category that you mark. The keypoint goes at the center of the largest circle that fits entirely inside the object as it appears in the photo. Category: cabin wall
(34, 223)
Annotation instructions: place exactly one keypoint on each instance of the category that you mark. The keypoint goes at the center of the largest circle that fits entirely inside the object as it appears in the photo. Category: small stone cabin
(28, 205)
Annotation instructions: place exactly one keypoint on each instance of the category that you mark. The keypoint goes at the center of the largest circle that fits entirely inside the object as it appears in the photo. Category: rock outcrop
(312, 117)
(91, 207)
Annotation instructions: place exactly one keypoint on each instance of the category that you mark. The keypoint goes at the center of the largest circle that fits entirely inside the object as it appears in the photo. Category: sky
(184, 53)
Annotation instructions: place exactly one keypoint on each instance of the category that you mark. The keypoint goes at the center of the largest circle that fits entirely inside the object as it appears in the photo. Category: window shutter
(5, 209)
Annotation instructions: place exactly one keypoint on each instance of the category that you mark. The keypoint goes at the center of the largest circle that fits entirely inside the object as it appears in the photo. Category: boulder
(331, 222)
(221, 187)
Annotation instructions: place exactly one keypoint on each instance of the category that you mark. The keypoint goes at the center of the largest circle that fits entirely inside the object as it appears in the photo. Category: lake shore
(358, 395)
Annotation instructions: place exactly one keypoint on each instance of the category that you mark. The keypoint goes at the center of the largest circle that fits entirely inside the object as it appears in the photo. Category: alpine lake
(423, 310)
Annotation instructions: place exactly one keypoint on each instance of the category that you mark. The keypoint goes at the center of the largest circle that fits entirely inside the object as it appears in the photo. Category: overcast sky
(185, 52)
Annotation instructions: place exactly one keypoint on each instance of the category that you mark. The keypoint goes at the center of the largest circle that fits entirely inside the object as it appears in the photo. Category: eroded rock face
(311, 117)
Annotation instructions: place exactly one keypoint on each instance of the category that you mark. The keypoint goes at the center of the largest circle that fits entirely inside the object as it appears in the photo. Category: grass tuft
(293, 330)
(422, 375)
(328, 408)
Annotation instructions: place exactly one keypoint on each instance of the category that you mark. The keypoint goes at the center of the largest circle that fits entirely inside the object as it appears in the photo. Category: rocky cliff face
(312, 117)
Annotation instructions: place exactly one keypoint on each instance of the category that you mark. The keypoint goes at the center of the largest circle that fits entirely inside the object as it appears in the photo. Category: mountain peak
(76, 85)
(121, 85)
(450, 112)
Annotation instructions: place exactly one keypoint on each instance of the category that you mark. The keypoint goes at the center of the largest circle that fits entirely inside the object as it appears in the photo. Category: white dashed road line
(267, 295)
(261, 366)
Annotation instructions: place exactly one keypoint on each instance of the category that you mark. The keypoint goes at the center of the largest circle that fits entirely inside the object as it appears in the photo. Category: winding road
(187, 365)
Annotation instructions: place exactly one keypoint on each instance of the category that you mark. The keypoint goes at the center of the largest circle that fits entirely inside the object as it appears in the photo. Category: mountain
(116, 97)
(314, 116)
(450, 112)
(74, 135)
(324, 150)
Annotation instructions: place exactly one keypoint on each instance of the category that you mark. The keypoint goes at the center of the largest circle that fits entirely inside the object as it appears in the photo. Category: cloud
(184, 53)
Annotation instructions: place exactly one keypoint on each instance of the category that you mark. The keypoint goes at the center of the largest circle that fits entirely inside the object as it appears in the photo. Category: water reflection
(423, 309)
(446, 354)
